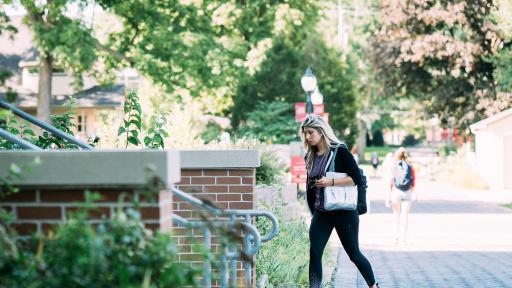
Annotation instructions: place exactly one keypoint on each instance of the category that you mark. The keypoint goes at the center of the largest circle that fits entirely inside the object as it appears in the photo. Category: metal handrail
(45, 125)
(17, 140)
(240, 213)
(251, 242)
(249, 230)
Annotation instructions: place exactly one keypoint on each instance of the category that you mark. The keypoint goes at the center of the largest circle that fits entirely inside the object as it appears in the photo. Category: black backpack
(361, 194)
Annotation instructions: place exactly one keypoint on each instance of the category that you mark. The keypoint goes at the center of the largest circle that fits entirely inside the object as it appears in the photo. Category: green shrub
(271, 122)
(117, 253)
(211, 132)
(410, 140)
(284, 259)
(271, 170)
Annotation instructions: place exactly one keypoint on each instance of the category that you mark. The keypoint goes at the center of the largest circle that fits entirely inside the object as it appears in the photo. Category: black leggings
(346, 224)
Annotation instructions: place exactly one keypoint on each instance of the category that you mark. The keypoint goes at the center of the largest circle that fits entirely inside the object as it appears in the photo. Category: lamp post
(308, 82)
(316, 97)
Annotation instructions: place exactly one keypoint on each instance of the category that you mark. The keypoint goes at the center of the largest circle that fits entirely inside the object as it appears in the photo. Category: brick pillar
(225, 178)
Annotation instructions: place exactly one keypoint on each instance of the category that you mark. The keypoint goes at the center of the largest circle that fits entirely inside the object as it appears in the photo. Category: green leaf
(136, 123)
(121, 131)
(159, 140)
(133, 141)
(147, 140)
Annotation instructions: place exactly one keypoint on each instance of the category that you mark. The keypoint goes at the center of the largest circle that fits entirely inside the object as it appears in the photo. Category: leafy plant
(157, 133)
(132, 124)
(284, 269)
(211, 132)
(117, 253)
(63, 122)
(9, 122)
(271, 170)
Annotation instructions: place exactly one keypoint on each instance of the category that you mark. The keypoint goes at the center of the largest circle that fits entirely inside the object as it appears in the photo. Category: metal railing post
(207, 273)
(251, 237)
(18, 141)
(45, 125)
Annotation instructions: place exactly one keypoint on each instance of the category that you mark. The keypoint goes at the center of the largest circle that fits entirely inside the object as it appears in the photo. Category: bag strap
(331, 169)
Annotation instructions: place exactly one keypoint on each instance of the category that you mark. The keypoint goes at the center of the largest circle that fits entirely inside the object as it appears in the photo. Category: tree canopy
(442, 53)
(200, 47)
(279, 80)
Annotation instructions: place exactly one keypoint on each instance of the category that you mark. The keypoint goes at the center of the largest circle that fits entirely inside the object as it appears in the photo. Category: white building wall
(507, 168)
(487, 157)
(62, 84)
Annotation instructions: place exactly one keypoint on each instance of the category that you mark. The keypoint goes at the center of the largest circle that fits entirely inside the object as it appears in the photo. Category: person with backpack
(374, 159)
(325, 151)
(401, 188)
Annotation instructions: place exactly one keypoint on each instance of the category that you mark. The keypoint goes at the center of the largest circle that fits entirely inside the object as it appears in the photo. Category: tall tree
(440, 52)
(279, 80)
(198, 46)
(60, 41)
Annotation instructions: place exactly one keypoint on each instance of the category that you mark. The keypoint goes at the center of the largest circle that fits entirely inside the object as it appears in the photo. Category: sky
(74, 11)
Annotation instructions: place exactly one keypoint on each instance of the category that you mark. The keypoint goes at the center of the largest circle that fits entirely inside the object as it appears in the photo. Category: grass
(381, 152)
(509, 205)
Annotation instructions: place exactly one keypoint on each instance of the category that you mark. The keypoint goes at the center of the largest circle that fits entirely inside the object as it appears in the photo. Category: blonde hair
(328, 138)
(401, 154)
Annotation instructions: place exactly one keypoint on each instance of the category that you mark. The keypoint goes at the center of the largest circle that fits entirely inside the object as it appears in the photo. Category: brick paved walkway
(455, 240)
(431, 269)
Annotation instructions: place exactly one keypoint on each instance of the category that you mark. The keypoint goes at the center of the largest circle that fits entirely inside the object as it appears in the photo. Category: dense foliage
(279, 80)
(274, 260)
(45, 140)
(271, 122)
(442, 53)
(117, 253)
(271, 170)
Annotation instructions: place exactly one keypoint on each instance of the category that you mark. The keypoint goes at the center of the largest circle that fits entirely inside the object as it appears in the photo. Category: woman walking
(320, 144)
(401, 190)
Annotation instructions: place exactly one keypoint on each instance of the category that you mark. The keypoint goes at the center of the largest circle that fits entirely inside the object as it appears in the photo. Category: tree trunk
(45, 89)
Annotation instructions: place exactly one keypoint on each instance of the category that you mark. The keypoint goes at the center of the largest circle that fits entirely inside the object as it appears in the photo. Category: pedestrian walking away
(320, 144)
(400, 193)
(375, 162)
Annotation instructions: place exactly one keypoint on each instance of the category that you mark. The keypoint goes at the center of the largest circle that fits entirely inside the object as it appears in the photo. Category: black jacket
(344, 163)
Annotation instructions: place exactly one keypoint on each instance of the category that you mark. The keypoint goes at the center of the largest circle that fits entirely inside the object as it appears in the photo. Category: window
(82, 123)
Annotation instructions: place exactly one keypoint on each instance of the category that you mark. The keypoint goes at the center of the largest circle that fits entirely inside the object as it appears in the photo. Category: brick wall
(227, 189)
(38, 210)
(226, 178)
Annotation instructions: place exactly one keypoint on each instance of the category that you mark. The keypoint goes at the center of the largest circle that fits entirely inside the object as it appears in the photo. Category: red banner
(300, 111)
(298, 169)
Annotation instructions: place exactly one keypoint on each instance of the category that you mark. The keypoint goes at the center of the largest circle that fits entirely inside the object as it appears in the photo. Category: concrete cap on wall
(196, 159)
(101, 168)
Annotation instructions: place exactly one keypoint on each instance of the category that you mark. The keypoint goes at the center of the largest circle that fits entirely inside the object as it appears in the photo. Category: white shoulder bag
(339, 197)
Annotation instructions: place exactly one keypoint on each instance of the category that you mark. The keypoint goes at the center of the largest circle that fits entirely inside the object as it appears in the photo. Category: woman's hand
(324, 182)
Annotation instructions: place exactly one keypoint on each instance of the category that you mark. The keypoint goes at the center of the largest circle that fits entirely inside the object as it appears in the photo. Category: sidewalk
(456, 239)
